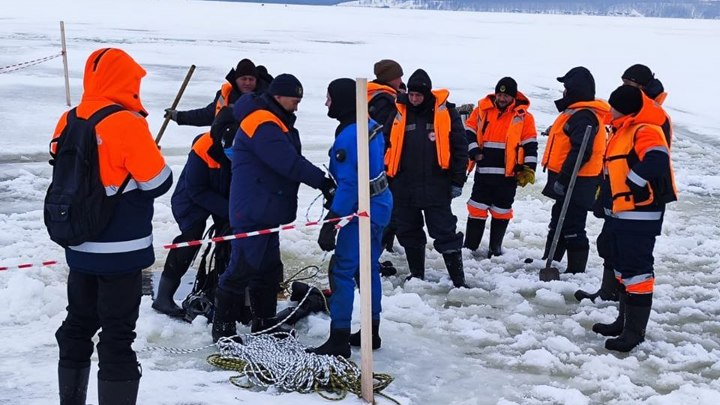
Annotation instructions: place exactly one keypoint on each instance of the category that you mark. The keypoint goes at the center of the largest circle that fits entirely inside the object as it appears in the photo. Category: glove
(558, 188)
(326, 239)
(546, 132)
(455, 191)
(328, 189)
(465, 109)
(525, 176)
(170, 113)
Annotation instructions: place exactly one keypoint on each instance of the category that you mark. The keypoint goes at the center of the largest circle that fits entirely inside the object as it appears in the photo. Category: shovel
(550, 273)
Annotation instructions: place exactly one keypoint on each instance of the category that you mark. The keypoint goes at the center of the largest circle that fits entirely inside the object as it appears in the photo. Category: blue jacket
(268, 166)
(204, 185)
(343, 167)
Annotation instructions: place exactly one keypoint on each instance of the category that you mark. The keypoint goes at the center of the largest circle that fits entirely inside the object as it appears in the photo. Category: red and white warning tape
(28, 265)
(342, 221)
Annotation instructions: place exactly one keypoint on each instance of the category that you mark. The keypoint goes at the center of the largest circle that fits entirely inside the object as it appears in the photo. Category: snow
(509, 339)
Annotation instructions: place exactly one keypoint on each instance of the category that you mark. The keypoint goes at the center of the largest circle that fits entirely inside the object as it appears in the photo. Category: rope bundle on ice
(265, 360)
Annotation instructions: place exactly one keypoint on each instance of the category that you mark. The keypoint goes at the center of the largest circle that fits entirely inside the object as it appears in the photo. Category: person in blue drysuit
(346, 262)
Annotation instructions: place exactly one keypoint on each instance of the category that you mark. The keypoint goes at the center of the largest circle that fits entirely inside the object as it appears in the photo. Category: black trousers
(441, 225)
(110, 303)
(573, 229)
(178, 260)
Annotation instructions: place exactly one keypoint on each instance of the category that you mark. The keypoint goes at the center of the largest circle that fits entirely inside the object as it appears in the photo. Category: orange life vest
(202, 146)
(559, 142)
(373, 89)
(441, 123)
(224, 99)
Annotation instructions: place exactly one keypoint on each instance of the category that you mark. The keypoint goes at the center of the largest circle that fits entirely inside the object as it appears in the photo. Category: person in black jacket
(244, 78)
(202, 191)
(426, 160)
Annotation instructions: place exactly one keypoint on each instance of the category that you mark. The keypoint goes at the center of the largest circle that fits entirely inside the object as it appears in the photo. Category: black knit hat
(507, 85)
(626, 99)
(286, 85)
(639, 74)
(387, 70)
(420, 82)
(245, 68)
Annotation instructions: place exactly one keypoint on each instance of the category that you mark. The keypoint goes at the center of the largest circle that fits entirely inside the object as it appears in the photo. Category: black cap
(579, 83)
(342, 98)
(420, 82)
(507, 85)
(639, 74)
(245, 68)
(626, 99)
(286, 85)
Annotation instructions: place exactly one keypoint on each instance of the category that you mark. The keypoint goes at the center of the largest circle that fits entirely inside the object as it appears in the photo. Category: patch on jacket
(340, 155)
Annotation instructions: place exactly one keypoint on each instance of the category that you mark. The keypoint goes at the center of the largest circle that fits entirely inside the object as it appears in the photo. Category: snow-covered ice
(510, 339)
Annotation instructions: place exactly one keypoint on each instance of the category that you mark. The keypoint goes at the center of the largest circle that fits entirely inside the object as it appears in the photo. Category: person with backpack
(127, 172)
(244, 78)
(201, 192)
(346, 263)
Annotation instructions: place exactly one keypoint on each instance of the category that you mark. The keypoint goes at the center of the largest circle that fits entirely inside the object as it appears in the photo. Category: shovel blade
(549, 274)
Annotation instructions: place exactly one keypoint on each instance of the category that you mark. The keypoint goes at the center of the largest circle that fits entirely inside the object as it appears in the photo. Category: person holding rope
(105, 284)
(244, 78)
(267, 169)
(578, 109)
(346, 263)
(201, 192)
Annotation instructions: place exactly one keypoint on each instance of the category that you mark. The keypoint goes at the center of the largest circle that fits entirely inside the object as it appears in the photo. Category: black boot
(577, 260)
(473, 233)
(118, 392)
(497, 234)
(376, 341)
(637, 314)
(338, 344)
(73, 384)
(388, 238)
(164, 301)
(454, 264)
(609, 287)
(263, 302)
(615, 328)
(416, 262)
(559, 249)
(226, 304)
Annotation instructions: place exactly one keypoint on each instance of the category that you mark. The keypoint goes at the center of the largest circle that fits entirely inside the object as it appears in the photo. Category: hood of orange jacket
(112, 74)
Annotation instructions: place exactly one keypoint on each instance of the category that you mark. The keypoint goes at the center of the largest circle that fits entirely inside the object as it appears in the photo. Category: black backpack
(76, 207)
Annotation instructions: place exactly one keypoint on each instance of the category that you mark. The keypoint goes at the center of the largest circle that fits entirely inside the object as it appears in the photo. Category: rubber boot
(454, 264)
(577, 260)
(224, 324)
(497, 234)
(73, 384)
(559, 249)
(338, 344)
(164, 302)
(118, 392)
(263, 302)
(609, 287)
(376, 341)
(615, 328)
(388, 238)
(637, 314)
(416, 262)
(473, 233)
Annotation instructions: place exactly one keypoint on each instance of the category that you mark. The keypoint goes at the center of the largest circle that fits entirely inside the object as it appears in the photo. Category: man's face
(328, 100)
(416, 98)
(503, 100)
(290, 104)
(395, 83)
(246, 84)
(615, 113)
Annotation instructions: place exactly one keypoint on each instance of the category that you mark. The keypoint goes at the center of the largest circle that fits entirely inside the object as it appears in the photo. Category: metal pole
(366, 365)
(550, 273)
(65, 63)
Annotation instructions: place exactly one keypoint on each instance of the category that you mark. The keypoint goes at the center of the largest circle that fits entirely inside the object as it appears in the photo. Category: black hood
(579, 85)
(342, 99)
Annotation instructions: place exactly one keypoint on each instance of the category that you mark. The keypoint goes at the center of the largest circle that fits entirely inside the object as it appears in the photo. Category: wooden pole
(65, 64)
(366, 365)
(175, 103)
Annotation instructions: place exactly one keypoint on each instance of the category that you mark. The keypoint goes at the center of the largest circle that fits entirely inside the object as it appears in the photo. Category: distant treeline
(709, 9)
